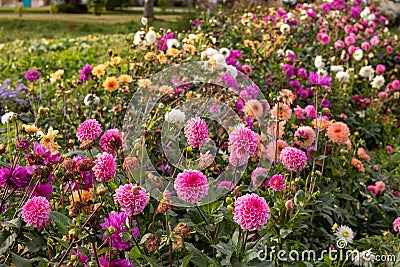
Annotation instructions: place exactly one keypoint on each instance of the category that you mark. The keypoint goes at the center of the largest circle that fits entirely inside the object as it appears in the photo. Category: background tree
(148, 9)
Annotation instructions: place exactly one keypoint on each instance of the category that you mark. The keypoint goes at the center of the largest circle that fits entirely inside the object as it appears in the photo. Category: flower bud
(101, 190)
(229, 200)
(2, 149)
(289, 205)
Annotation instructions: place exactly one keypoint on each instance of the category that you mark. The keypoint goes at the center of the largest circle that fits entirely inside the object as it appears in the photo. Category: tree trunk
(148, 9)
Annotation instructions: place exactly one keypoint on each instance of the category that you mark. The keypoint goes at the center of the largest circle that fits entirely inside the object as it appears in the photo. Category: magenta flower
(323, 38)
(132, 198)
(389, 150)
(244, 144)
(86, 73)
(35, 212)
(396, 225)
(339, 45)
(321, 81)
(104, 262)
(42, 155)
(105, 167)
(277, 182)
(32, 76)
(111, 141)
(114, 224)
(191, 185)
(88, 130)
(196, 132)
(294, 159)
(229, 81)
(251, 212)
(43, 190)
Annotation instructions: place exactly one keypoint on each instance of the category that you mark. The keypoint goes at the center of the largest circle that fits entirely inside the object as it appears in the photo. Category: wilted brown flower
(84, 165)
(182, 228)
(131, 164)
(68, 164)
(152, 242)
(178, 242)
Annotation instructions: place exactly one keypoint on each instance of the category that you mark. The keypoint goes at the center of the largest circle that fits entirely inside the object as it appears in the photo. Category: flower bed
(259, 137)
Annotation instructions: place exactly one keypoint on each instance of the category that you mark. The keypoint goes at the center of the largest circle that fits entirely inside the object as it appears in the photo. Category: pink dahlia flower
(105, 167)
(132, 198)
(294, 159)
(196, 132)
(244, 143)
(277, 182)
(191, 185)
(35, 212)
(111, 141)
(88, 130)
(396, 225)
(251, 212)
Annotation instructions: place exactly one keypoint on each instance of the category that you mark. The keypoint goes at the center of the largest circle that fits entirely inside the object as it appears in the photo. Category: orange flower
(99, 70)
(283, 111)
(125, 79)
(357, 164)
(362, 154)
(111, 84)
(253, 108)
(338, 132)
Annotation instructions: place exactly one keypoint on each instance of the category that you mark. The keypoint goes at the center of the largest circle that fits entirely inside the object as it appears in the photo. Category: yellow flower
(166, 89)
(56, 76)
(111, 84)
(189, 48)
(115, 61)
(150, 56)
(99, 70)
(30, 129)
(125, 79)
(162, 58)
(144, 83)
(172, 52)
(48, 140)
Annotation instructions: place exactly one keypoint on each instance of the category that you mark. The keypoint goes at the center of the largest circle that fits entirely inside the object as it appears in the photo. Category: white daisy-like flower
(7, 117)
(365, 13)
(209, 52)
(363, 258)
(91, 99)
(151, 37)
(344, 233)
(358, 54)
(322, 72)
(144, 21)
(378, 82)
(319, 63)
(218, 58)
(138, 38)
(224, 51)
(175, 116)
(284, 28)
(172, 43)
(367, 72)
(337, 68)
(343, 76)
(192, 36)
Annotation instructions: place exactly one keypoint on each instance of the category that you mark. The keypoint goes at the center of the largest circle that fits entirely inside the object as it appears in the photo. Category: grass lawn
(52, 26)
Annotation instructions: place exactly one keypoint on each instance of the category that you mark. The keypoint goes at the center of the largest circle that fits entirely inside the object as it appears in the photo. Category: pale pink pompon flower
(35, 212)
(294, 159)
(191, 185)
(105, 167)
(251, 212)
(88, 130)
(132, 198)
(243, 143)
(196, 132)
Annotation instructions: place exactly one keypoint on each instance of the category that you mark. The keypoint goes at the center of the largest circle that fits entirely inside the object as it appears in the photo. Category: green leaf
(14, 223)
(62, 222)
(285, 232)
(199, 258)
(36, 244)
(7, 243)
(135, 253)
(152, 262)
(186, 259)
(19, 261)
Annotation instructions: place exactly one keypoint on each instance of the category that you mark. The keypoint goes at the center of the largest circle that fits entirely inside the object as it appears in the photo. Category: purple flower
(235, 54)
(32, 76)
(5, 174)
(86, 73)
(24, 144)
(230, 81)
(42, 155)
(114, 224)
(115, 263)
(197, 22)
(41, 190)
(135, 231)
(321, 81)
(162, 44)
